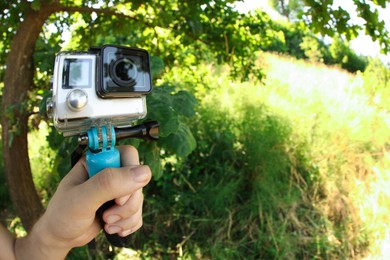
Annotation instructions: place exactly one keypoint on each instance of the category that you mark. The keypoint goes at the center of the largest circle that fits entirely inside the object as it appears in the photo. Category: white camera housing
(76, 105)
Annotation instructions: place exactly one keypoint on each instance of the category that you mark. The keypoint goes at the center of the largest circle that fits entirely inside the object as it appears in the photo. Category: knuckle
(132, 149)
(133, 210)
(105, 180)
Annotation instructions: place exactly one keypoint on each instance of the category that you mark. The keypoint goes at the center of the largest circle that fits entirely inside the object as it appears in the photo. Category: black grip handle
(148, 131)
(114, 239)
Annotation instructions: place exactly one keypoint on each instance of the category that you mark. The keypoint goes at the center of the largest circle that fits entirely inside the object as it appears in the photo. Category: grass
(348, 139)
(42, 160)
(299, 147)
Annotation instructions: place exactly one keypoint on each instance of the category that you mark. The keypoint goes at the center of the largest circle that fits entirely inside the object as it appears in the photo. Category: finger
(129, 155)
(112, 229)
(127, 232)
(122, 200)
(131, 207)
(113, 183)
(132, 223)
(77, 175)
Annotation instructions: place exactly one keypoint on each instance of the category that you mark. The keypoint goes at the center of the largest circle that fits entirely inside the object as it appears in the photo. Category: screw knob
(77, 99)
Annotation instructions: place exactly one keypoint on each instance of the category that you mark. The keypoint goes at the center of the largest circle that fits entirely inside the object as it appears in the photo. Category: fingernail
(126, 233)
(140, 174)
(113, 229)
(112, 219)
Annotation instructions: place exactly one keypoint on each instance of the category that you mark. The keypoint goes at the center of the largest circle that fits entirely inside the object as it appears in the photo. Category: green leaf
(151, 154)
(63, 166)
(54, 138)
(36, 5)
(157, 66)
(42, 104)
(184, 103)
(182, 142)
(166, 116)
(160, 109)
(169, 126)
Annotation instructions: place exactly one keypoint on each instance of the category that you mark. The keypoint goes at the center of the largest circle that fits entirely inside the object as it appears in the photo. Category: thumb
(113, 183)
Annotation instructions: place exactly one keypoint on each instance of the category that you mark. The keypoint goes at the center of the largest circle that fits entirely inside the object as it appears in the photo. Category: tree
(208, 23)
(18, 79)
(325, 18)
(288, 8)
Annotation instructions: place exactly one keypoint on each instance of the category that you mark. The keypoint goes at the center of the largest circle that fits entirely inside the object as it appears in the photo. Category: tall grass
(294, 167)
(347, 142)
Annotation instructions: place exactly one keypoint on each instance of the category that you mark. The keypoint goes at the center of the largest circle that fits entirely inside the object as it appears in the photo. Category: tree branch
(105, 11)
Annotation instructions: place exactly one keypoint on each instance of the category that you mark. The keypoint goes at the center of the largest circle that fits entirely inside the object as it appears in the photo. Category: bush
(342, 55)
(232, 192)
(274, 173)
(377, 83)
(297, 41)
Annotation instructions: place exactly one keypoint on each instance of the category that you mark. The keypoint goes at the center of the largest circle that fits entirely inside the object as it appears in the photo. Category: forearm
(7, 242)
(38, 244)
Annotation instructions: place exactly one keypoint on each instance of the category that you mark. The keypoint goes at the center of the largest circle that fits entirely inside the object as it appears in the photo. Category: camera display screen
(77, 73)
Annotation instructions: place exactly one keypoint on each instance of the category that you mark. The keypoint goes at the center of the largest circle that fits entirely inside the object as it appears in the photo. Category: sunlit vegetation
(273, 144)
(293, 167)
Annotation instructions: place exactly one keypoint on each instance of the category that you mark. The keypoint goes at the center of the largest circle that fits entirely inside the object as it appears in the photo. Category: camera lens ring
(123, 72)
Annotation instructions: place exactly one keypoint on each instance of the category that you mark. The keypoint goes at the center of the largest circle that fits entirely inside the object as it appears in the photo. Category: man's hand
(70, 219)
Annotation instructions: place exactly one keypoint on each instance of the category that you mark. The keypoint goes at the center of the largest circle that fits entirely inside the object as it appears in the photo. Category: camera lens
(124, 72)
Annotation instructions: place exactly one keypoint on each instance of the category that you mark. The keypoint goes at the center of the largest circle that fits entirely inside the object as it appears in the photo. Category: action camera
(103, 86)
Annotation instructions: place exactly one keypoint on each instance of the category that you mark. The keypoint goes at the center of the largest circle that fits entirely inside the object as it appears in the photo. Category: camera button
(77, 99)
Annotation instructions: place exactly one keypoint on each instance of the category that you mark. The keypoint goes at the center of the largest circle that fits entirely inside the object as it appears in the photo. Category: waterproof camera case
(104, 86)
(98, 95)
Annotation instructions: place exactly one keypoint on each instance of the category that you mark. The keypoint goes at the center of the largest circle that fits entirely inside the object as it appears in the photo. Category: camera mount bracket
(102, 152)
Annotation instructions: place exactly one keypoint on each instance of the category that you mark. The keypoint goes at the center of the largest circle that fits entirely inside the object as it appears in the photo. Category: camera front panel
(77, 106)
(125, 72)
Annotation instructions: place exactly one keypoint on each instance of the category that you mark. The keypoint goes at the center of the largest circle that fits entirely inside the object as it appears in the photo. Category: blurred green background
(274, 138)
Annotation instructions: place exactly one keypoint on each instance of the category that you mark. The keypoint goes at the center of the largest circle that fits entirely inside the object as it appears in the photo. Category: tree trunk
(18, 79)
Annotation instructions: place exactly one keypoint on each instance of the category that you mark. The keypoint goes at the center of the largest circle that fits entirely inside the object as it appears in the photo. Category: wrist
(40, 244)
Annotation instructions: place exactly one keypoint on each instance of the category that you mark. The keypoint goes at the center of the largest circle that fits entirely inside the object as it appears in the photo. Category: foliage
(290, 9)
(198, 35)
(278, 171)
(295, 39)
(274, 175)
(42, 160)
(377, 83)
(348, 140)
(329, 19)
(290, 38)
(342, 54)
(311, 48)
(270, 170)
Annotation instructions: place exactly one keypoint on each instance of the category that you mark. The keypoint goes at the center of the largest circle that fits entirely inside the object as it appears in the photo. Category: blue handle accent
(107, 157)
(101, 160)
